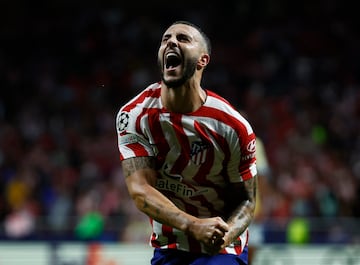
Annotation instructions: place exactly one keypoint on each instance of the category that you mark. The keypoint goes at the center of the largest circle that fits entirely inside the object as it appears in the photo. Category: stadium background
(66, 67)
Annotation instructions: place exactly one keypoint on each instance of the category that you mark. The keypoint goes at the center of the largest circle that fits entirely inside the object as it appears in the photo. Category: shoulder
(227, 113)
(131, 109)
(150, 93)
(218, 102)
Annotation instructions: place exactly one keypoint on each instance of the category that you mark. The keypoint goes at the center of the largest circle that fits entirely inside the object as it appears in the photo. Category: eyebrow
(181, 34)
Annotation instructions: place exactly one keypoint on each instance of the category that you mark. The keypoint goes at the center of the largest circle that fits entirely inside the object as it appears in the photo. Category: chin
(173, 82)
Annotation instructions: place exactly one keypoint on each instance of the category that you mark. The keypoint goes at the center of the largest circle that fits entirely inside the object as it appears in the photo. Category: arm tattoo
(132, 164)
(251, 188)
(242, 214)
(155, 207)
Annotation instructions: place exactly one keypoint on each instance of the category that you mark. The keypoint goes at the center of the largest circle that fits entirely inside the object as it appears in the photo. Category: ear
(204, 60)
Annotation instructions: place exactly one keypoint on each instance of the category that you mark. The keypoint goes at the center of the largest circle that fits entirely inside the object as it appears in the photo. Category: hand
(210, 232)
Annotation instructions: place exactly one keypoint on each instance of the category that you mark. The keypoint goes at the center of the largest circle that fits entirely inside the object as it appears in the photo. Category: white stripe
(157, 227)
(230, 250)
(253, 170)
(126, 152)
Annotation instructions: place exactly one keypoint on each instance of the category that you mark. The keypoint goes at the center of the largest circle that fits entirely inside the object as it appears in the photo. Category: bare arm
(243, 214)
(140, 177)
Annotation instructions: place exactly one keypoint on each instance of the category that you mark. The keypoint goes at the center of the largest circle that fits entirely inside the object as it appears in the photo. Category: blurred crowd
(65, 72)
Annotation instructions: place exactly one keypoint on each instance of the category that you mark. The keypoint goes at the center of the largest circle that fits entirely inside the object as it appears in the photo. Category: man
(189, 159)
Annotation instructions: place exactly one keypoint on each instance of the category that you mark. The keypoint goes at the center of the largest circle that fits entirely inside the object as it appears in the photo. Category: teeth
(171, 54)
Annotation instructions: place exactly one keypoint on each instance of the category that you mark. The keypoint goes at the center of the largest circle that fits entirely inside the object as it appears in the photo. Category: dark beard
(189, 70)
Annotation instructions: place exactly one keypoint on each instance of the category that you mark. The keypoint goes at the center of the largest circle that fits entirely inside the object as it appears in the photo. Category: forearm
(242, 215)
(140, 177)
(240, 220)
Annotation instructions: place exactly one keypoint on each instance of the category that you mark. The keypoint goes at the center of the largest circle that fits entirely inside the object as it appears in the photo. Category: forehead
(182, 29)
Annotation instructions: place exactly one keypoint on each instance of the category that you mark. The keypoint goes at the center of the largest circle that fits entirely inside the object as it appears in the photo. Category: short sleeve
(130, 142)
(242, 164)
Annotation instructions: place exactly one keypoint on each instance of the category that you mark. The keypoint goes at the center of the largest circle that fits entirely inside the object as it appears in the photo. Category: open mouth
(172, 60)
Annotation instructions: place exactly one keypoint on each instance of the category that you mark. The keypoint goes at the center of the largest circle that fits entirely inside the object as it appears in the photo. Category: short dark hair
(202, 33)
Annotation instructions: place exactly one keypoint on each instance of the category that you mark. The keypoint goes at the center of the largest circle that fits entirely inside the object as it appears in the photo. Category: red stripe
(158, 134)
(238, 249)
(155, 93)
(246, 175)
(244, 166)
(201, 176)
(173, 246)
(138, 149)
(167, 231)
(223, 117)
(183, 160)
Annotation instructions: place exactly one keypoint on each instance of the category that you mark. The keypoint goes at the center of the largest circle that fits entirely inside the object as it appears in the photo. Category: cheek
(160, 53)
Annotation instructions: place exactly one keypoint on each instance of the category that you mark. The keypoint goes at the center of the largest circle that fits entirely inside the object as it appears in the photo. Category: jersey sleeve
(131, 143)
(247, 166)
(242, 165)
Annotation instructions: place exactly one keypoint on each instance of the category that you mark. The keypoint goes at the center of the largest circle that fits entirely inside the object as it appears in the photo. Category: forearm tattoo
(132, 164)
(158, 208)
(251, 188)
(243, 215)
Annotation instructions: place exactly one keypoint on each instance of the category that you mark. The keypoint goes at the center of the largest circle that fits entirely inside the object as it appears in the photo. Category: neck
(185, 99)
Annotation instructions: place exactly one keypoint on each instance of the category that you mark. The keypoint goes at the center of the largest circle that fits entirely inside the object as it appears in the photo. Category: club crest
(198, 152)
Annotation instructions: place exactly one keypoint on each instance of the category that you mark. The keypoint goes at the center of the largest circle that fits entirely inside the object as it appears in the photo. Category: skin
(184, 95)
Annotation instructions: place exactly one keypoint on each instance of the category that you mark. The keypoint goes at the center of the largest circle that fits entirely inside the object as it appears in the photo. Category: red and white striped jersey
(198, 155)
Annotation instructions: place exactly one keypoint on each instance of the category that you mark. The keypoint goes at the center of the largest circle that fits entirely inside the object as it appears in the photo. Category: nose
(171, 42)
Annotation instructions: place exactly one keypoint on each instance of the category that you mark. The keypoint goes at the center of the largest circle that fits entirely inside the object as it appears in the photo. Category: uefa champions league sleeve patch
(122, 121)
